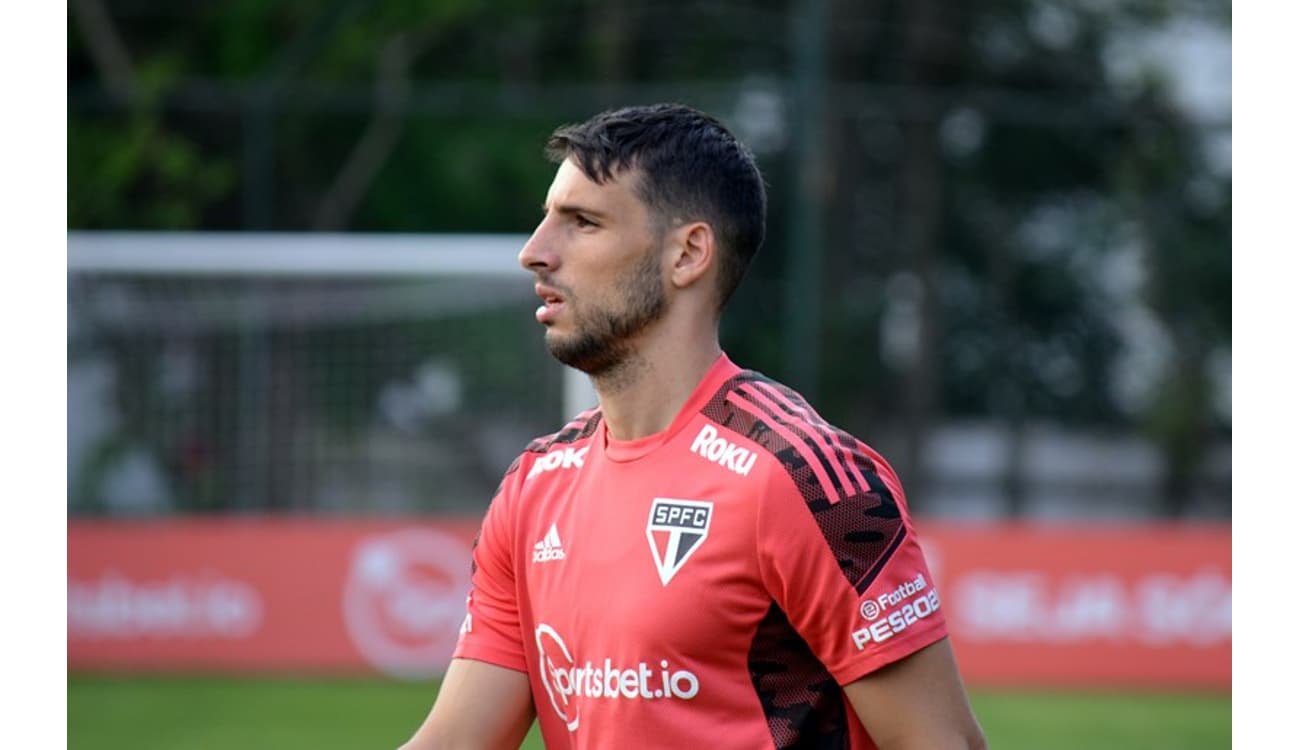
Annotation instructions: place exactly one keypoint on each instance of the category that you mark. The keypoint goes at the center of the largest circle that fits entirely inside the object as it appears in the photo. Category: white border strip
(295, 254)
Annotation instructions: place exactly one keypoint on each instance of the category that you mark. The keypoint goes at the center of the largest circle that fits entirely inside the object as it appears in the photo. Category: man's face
(597, 262)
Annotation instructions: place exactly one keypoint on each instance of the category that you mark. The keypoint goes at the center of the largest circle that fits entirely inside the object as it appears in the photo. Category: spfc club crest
(676, 529)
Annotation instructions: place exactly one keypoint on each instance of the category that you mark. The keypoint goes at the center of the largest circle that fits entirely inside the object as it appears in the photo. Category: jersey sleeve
(491, 631)
(848, 571)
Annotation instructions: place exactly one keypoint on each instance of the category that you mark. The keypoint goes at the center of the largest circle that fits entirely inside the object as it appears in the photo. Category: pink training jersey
(709, 586)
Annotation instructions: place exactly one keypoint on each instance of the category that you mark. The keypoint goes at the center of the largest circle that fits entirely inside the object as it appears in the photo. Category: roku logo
(722, 452)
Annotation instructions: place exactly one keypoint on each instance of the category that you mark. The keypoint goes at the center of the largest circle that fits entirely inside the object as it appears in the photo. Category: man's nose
(537, 253)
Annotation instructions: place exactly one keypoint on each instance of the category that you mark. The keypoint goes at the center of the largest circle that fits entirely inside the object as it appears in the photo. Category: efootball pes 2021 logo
(676, 529)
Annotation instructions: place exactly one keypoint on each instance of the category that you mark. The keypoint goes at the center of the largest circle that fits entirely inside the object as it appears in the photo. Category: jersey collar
(722, 370)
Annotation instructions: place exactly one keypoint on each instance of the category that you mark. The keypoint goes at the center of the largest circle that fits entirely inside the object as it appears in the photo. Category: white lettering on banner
(565, 681)
(723, 452)
(185, 605)
(1159, 608)
(1197, 610)
(558, 459)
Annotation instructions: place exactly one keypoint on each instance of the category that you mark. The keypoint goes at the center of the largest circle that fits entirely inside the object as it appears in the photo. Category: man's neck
(645, 392)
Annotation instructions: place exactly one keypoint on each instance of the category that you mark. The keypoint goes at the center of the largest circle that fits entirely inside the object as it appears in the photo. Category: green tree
(971, 168)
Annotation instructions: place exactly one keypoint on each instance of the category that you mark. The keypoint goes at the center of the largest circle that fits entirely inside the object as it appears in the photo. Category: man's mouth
(552, 303)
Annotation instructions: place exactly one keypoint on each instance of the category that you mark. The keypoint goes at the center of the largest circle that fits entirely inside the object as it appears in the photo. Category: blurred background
(998, 251)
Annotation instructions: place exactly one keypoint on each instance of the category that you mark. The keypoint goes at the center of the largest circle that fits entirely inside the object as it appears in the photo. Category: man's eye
(583, 221)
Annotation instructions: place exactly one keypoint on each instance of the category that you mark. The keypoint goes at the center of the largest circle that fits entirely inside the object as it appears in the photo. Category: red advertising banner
(267, 595)
(1068, 605)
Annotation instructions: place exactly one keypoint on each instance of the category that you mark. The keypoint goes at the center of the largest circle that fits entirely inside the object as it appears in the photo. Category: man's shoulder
(768, 400)
(578, 429)
(825, 462)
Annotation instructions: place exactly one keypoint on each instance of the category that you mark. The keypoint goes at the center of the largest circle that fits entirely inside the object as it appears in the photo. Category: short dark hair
(691, 168)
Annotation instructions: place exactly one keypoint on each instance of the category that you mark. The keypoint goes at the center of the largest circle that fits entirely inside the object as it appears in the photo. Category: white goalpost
(313, 255)
(313, 371)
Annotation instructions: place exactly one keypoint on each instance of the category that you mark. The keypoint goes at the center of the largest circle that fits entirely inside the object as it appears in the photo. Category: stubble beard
(601, 342)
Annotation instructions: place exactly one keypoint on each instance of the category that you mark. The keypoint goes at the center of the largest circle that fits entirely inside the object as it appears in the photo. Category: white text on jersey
(565, 680)
(921, 607)
(641, 681)
(723, 452)
(567, 458)
(871, 609)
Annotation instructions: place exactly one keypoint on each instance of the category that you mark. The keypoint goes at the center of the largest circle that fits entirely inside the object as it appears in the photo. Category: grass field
(157, 713)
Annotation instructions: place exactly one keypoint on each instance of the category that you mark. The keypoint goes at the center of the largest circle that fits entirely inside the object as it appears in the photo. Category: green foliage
(137, 174)
(446, 170)
(949, 138)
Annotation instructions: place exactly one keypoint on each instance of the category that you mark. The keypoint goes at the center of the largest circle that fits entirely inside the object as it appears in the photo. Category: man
(700, 561)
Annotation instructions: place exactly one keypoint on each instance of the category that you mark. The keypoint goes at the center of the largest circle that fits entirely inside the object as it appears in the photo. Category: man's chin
(555, 340)
(584, 354)
(560, 345)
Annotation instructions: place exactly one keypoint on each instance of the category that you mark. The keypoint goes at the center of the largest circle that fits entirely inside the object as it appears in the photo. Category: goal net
(301, 372)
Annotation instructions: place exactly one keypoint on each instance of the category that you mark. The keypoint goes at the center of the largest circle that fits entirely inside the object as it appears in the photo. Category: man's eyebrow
(569, 209)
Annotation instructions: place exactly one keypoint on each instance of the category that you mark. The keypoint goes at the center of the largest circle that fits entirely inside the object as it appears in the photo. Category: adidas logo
(549, 548)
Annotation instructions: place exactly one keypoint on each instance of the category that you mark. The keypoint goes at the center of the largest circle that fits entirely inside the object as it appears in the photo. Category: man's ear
(694, 253)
